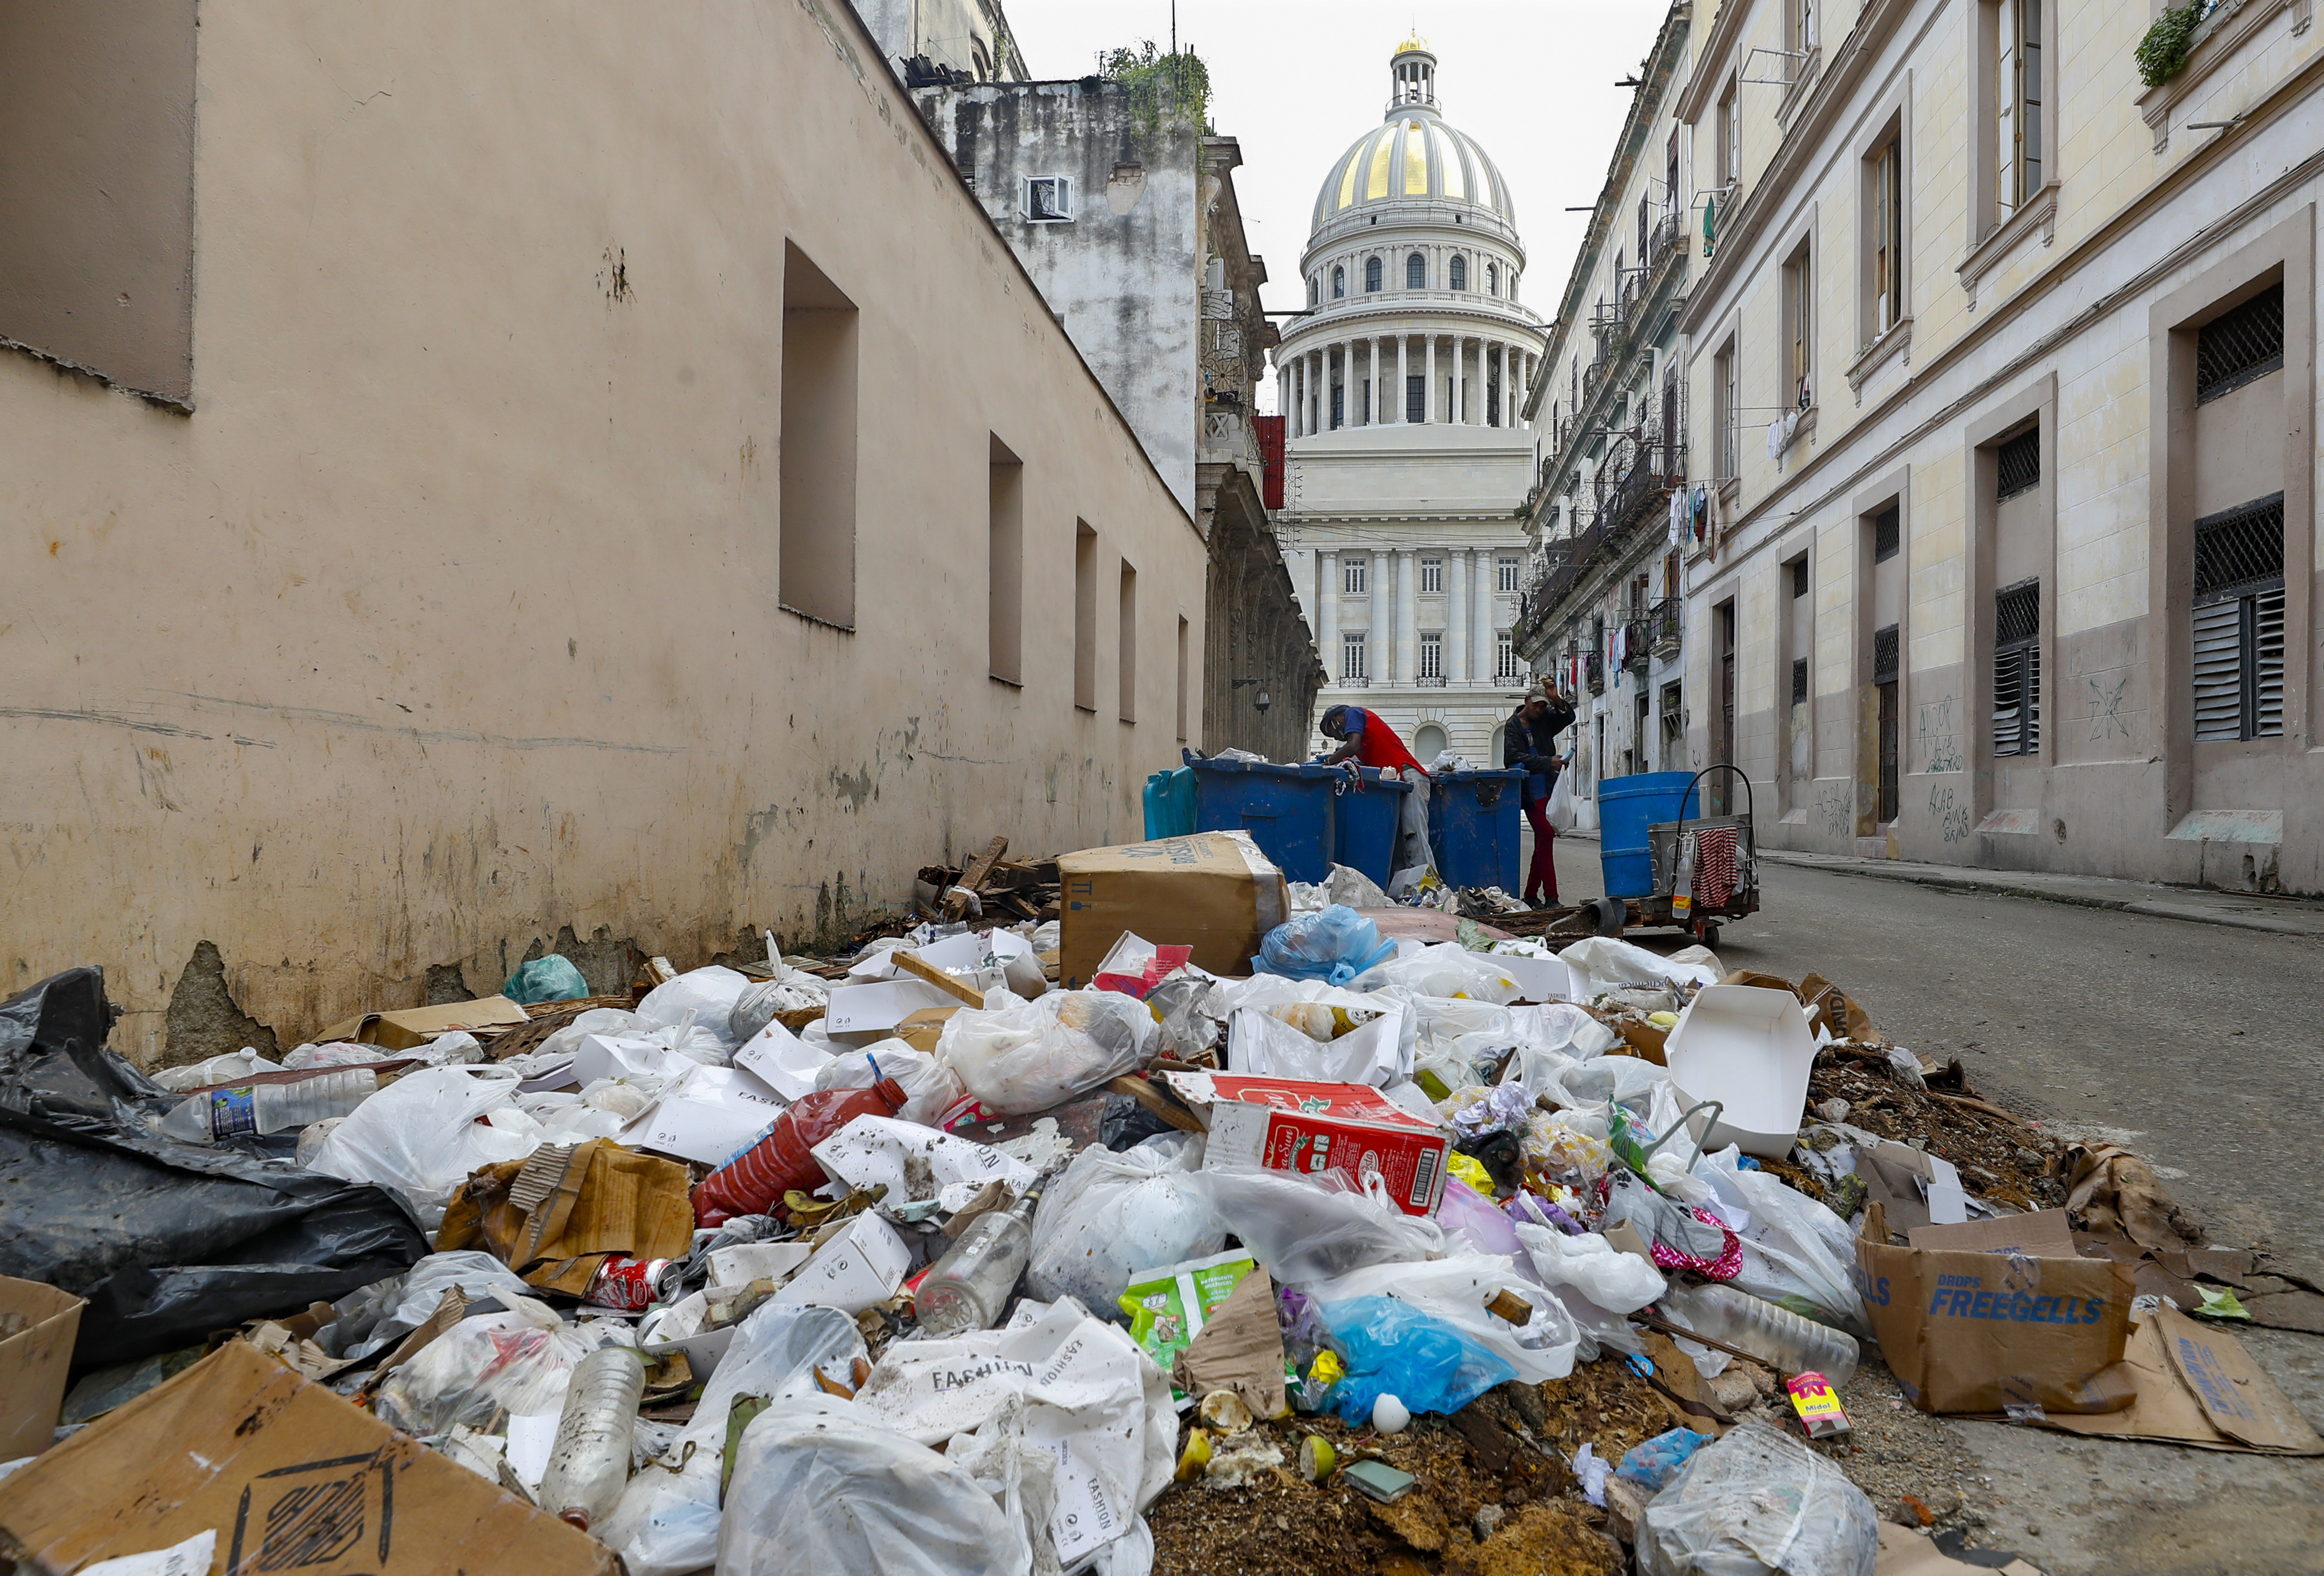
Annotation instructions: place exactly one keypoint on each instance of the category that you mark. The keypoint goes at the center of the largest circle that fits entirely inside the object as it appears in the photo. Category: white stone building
(1406, 462)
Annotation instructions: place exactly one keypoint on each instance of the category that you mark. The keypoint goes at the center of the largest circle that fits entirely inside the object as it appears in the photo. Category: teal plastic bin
(1287, 809)
(1627, 807)
(1170, 804)
(1364, 837)
(1474, 821)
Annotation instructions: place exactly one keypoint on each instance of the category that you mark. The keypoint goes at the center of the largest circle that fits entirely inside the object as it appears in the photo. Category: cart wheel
(1708, 935)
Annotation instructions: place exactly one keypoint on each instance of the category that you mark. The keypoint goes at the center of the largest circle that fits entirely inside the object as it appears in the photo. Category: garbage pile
(1188, 1229)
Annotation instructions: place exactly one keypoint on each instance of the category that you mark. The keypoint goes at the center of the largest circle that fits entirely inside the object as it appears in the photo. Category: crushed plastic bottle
(590, 1465)
(968, 1288)
(1776, 1336)
(268, 1107)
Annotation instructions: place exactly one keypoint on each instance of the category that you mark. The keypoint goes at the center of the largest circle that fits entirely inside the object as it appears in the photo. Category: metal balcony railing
(1666, 623)
(1593, 671)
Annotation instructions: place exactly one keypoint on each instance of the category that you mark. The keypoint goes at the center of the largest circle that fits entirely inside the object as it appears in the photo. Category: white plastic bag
(667, 1522)
(1305, 1229)
(479, 1275)
(709, 994)
(1559, 811)
(1111, 1215)
(606, 1020)
(1563, 1028)
(913, 1161)
(1447, 969)
(1797, 1253)
(517, 1362)
(223, 1069)
(1260, 1044)
(1455, 1290)
(1591, 1267)
(420, 1136)
(930, 1086)
(1756, 1502)
(1019, 1056)
(820, 1488)
(1603, 964)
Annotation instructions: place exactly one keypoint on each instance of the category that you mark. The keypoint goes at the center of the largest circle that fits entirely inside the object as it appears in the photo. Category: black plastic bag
(167, 1241)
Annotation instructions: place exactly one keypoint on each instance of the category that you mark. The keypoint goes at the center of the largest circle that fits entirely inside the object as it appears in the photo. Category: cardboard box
(32, 1362)
(401, 1031)
(709, 1115)
(287, 1476)
(1288, 1124)
(862, 1265)
(922, 1030)
(1213, 892)
(875, 1008)
(1971, 1328)
(2197, 1386)
(782, 1061)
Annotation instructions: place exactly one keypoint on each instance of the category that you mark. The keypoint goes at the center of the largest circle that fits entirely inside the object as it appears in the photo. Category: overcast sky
(1296, 81)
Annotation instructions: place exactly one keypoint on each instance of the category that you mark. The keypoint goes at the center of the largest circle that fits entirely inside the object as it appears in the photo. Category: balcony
(1430, 681)
(1638, 651)
(1228, 439)
(1593, 671)
(1665, 624)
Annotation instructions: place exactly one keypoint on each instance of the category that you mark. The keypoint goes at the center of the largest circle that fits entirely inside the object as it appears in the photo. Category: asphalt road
(2194, 1044)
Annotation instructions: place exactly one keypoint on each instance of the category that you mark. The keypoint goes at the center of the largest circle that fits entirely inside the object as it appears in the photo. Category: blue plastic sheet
(1393, 1349)
(1656, 1461)
(1334, 944)
(551, 979)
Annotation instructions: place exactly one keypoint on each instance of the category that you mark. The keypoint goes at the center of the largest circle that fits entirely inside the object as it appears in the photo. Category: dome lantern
(1412, 77)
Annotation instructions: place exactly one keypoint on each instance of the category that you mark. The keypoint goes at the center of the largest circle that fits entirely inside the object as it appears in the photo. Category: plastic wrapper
(817, 1489)
(1591, 1266)
(1334, 944)
(408, 1300)
(1563, 1028)
(1447, 969)
(482, 1369)
(1605, 964)
(709, 994)
(420, 1136)
(1262, 1044)
(1393, 1349)
(930, 1086)
(1756, 1502)
(667, 1522)
(1653, 1463)
(224, 1069)
(1019, 1056)
(1797, 1253)
(1188, 1031)
(1110, 1216)
(1454, 1291)
(1311, 1229)
(1471, 1217)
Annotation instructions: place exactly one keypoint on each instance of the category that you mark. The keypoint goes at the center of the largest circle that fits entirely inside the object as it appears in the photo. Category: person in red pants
(1530, 742)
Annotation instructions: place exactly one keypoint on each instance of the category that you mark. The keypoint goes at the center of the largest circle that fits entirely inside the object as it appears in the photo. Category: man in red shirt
(1367, 739)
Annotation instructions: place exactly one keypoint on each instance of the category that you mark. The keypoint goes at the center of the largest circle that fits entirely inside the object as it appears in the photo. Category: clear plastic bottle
(268, 1107)
(968, 1288)
(1778, 1337)
(589, 1464)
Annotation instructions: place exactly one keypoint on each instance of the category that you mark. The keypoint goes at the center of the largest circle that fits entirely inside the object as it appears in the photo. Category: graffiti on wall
(2106, 708)
(1952, 820)
(1940, 746)
(1835, 811)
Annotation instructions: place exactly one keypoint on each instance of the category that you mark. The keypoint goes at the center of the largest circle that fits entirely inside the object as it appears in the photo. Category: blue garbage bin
(1627, 807)
(1169, 804)
(1474, 818)
(1287, 809)
(1364, 838)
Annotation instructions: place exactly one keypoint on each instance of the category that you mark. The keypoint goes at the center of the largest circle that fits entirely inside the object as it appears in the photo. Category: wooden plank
(1158, 1101)
(920, 968)
(979, 870)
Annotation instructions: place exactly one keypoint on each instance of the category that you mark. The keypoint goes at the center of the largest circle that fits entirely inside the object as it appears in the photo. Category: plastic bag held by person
(754, 1181)
(1334, 944)
(1111, 1215)
(1021, 1056)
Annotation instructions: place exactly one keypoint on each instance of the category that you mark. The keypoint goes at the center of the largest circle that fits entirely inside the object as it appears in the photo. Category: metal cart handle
(1750, 802)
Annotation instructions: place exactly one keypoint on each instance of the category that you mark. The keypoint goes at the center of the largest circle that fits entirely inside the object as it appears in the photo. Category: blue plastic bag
(1393, 1349)
(1653, 1462)
(1334, 944)
(549, 978)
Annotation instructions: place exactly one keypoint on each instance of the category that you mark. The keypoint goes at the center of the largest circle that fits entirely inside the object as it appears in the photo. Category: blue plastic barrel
(1170, 804)
(1474, 821)
(1287, 809)
(1627, 807)
(1365, 836)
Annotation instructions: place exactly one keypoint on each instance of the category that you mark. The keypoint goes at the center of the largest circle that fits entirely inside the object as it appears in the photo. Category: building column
(1461, 400)
(1408, 642)
(1481, 614)
(1456, 616)
(1327, 613)
(1318, 376)
(1428, 382)
(1379, 381)
(1379, 643)
(1403, 377)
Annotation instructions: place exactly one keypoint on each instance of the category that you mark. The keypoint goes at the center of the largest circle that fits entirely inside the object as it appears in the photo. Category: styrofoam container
(1746, 1046)
(1541, 979)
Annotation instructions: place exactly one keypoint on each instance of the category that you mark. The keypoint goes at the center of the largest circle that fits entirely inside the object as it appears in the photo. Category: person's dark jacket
(1530, 744)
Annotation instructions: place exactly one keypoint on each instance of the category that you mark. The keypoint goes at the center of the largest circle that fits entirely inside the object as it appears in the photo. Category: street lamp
(1260, 701)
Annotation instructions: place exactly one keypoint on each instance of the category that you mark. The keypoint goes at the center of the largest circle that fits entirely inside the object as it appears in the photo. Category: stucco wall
(449, 617)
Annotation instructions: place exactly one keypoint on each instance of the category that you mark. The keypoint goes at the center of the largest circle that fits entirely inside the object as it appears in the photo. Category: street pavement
(2194, 1044)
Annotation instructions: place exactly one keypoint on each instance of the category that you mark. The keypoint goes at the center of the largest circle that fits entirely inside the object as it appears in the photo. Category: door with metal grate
(1886, 660)
(2238, 623)
(2017, 670)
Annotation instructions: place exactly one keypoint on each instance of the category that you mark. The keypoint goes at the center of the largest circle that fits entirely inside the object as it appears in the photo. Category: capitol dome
(1414, 157)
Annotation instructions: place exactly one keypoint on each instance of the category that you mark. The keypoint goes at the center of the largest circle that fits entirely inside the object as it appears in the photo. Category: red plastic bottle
(754, 1181)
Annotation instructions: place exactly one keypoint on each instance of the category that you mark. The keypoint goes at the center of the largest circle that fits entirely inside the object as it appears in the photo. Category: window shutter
(2017, 670)
(2238, 621)
(2267, 641)
(2218, 670)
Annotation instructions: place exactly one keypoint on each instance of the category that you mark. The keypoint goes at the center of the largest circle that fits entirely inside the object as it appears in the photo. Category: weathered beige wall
(449, 617)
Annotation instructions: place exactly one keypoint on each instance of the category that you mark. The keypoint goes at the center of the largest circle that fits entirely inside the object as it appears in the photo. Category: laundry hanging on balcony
(1682, 516)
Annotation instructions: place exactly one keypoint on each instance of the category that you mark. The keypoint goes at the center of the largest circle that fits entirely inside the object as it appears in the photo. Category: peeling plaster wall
(447, 622)
(1123, 275)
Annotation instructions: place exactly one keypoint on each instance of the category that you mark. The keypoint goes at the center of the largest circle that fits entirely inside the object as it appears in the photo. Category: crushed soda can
(629, 1285)
(1818, 1405)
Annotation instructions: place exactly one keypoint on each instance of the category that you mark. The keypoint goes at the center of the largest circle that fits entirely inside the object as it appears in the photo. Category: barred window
(2018, 461)
(1886, 659)
(1431, 656)
(1506, 669)
(1798, 681)
(1883, 655)
(1351, 660)
(2238, 621)
(2017, 670)
(2242, 344)
(1799, 577)
(1887, 533)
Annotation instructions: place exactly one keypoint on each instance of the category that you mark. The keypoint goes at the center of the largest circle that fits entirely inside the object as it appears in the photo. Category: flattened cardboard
(710, 1114)
(1907, 1552)
(32, 1363)
(1213, 892)
(1966, 1331)
(1360, 1102)
(416, 1026)
(2197, 1386)
(877, 1006)
(288, 1476)
(2043, 1234)
(863, 1265)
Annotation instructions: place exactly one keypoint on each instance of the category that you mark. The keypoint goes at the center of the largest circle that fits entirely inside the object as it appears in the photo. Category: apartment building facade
(2003, 356)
